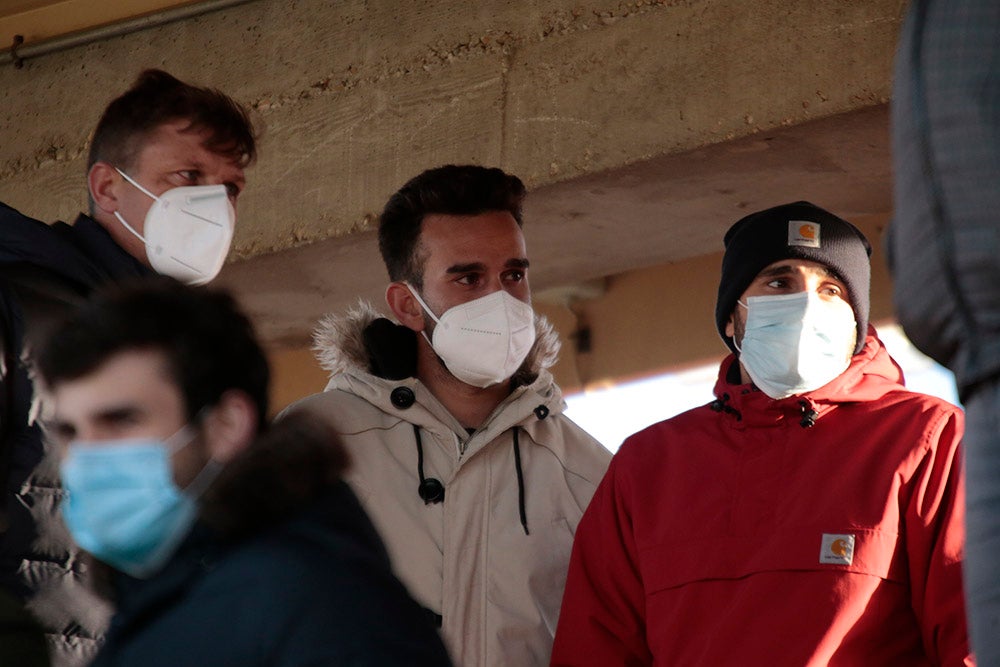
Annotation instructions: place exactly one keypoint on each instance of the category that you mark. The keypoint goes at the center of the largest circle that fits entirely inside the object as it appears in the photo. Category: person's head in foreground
(156, 388)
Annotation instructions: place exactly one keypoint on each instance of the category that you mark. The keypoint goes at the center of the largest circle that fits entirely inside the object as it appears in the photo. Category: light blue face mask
(795, 343)
(122, 504)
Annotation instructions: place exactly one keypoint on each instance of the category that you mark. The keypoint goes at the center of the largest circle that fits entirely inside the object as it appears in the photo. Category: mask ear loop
(142, 190)
(136, 184)
(427, 310)
(181, 439)
(735, 343)
(203, 479)
(423, 305)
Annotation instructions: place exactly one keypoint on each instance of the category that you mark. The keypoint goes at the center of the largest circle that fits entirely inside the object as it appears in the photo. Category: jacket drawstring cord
(808, 414)
(520, 483)
(721, 404)
(430, 490)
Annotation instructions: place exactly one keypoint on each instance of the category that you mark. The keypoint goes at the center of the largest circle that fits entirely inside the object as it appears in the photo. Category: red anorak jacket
(822, 529)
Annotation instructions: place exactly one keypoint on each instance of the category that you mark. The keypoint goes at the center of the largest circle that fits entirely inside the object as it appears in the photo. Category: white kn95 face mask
(188, 231)
(482, 342)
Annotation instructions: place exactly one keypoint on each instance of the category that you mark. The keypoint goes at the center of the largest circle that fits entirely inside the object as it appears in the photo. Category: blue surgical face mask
(795, 343)
(122, 504)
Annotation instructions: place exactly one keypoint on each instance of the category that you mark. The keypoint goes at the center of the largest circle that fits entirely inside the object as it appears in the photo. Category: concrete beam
(664, 210)
(643, 128)
(356, 96)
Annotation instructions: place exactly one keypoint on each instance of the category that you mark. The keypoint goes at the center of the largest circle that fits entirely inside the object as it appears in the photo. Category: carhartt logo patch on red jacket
(837, 549)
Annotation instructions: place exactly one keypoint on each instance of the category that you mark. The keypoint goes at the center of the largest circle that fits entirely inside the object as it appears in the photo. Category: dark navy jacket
(313, 590)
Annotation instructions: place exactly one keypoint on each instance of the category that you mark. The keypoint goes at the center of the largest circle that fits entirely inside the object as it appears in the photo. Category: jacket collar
(341, 348)
(83, 253)
(340, 345)
(331, 516)
(94, 241)
(136, 598)
(286, 473)
(871, 374)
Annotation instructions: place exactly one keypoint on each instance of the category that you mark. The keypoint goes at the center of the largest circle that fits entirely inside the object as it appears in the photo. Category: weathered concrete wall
(595, 103)
(356, 97)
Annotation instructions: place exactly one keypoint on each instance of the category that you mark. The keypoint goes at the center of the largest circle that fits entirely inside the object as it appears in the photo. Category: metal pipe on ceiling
(18, 53)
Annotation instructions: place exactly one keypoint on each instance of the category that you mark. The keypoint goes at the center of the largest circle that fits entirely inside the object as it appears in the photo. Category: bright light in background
(613, 414)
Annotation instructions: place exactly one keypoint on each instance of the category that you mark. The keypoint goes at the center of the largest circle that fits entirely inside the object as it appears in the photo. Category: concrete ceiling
(651, 212)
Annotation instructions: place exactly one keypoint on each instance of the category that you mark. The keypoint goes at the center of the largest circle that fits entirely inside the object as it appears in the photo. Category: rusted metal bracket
(17, 60)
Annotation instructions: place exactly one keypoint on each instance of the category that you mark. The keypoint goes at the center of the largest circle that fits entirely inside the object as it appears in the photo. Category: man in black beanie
(810, 515)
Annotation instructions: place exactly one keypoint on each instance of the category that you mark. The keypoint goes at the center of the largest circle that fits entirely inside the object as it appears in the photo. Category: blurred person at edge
(165, 169)
(462, 456)
(222, 541)
(810, 515)
(944, 250)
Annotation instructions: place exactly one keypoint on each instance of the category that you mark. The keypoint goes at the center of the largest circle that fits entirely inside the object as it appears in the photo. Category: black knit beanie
(794, 231)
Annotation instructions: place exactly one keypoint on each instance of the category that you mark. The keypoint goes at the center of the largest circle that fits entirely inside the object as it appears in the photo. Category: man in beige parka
(460, 453)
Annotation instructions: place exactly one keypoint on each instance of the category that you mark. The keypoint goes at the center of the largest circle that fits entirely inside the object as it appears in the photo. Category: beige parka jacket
(490, 560)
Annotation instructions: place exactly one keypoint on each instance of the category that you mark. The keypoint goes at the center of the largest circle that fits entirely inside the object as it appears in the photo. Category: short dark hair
(448, 190)
(157, 98)
(208, 342)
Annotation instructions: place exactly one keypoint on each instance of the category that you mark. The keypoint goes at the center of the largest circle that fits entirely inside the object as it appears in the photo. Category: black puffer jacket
(284, 570)
(44, 271)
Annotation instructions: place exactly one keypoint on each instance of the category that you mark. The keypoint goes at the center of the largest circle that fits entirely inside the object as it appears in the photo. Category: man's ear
(230, 426)
(404, 307)
(103, 182)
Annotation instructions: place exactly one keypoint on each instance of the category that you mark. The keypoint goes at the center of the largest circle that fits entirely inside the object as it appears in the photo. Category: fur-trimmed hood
(340, 344)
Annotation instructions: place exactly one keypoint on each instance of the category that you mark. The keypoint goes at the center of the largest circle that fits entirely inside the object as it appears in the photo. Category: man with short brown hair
(165, 169)
(461, 454)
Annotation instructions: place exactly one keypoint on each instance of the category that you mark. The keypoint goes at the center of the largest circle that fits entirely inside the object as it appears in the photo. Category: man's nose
(85, 434)
(495, 284)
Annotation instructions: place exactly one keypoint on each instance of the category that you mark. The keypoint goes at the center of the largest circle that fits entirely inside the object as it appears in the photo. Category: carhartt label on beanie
(804, 234)
(800, 230)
